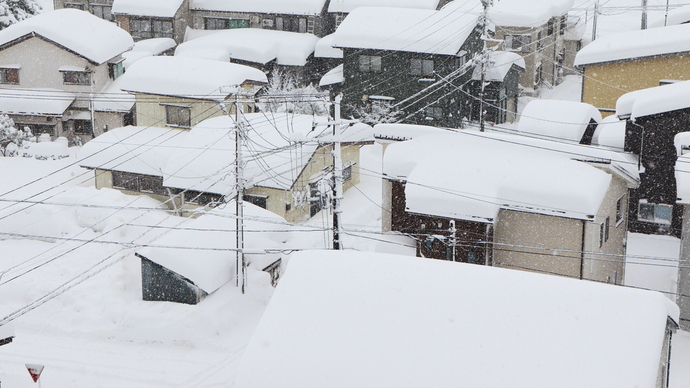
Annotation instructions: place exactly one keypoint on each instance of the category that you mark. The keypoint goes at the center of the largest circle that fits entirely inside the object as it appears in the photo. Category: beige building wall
(604, 83)
(150, 109)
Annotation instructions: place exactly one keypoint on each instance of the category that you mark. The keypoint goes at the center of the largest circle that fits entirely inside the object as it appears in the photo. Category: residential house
(654, 117)
(560, 120)
(101, 8)
(169, 273)
(501, 88)
(529, 204)
(305, 16)
(181, 92)
(75, 86)
(153, 18)
(411, 63)
(284, 53)
(683, 184)
(339, 9)
(191, 169)
(326, 57)
(619, 63)
(402, 321)
(534, 29)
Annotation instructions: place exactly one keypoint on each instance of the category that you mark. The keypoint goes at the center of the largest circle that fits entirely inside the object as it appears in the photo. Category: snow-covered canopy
(51, 102)
(610, 133)
(556, 119)
(631, 45)
(213, 265)
(87, 35)
(362, 319)
(334, 76)
(290, 7)
(113, 99)
(324, 48)
(405, 29)
(347, 6)
(189, 77)
(654, 100)
(156, 8)
(499, 65)
(526, 13)
(252, 45)
(520, 173)
(140, 150)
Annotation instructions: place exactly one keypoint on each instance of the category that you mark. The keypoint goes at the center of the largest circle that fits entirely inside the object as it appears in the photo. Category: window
(434, 112)
(460, 61)
(74, 6)
(370, 63)
(202, 199)
(125, 181)
(238, 23)
(347, 173)
(216, 24)
(654, 212)
(472, 257)
(9, 76)
(139, 183)
(178, 116)
(620, 209)
(258, 200)
(549, 27)
(421, 67)
(37, 129)
(76, 77)
(606, 230)
(291, 24)
(103, 11)
(518, 43)
(83, 127)
(540, 41)
(564, 24)
(116, 69)
(601, 235)
(150, 28)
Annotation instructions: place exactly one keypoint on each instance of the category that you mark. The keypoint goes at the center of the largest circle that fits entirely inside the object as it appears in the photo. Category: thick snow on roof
(347, 6)
(500, 64)
(188, 77)
(140, 150)
(635, 44)
(207, 162)
(154, 46)
(290, 7)
(214, 265)
(113, 99)
(334, 76)
(527, 13)
(157, 8)
(324, 48)
(405, 29)
(87, 35)
(252, 45)
(35, 101)
(654, 100)
(676, 16)
(361, 319)
(610, 133)
(565, 120)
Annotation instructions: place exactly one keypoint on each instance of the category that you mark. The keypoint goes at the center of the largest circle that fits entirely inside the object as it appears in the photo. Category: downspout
(488, 249)
(582, 251)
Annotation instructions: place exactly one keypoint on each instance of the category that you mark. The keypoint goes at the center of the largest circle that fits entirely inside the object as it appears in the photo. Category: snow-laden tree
(283, 95)
(13, 11)
(377, 112)
(12, 139)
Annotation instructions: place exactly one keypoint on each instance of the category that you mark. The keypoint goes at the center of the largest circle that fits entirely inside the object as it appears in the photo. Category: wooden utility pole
(594, 20)
(485, 59)
(644, 15)
(240, 264)
(337, 176)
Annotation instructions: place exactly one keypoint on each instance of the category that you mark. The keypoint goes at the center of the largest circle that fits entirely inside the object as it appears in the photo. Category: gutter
(582, 251)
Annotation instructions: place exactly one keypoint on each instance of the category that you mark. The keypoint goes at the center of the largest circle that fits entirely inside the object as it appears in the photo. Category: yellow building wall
(604, 84)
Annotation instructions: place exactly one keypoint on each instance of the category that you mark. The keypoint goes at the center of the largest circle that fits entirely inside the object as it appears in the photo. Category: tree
(13, 11)
(377, 112)
(11, 139)
(283, 95)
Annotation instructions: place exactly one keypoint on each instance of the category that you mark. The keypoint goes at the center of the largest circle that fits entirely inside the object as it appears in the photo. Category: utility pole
(594, 20)
(337, 176)
(453, 239)
(239, 202)
(644, 15)
(485, 58)
(666, 15)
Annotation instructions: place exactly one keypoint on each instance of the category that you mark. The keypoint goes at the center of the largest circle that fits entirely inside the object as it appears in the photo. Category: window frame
(655, 219)
(87, 128)
(169, 115)
(370, 63)
(258, 200)
(85, 81)
(421, 67)
(214, 20)
(4, 75)
(152, 28)
(102, 7)
(524, 39)
(620, 210)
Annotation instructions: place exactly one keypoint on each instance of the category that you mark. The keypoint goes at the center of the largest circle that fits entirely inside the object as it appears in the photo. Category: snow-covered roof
(188, 77)
(113, 99)
(154, 46)
(347, 6)
(363, 319)
(290, 7)
(499, 65)
(610, 133)
(654, 100)
(405, 29)
(87, 35)
(527, 13)
(252, 45)
(51, 102)
(677, 16)
(140, 150)
(213, 265)
(334, 76)
(631, 45)
(556, 119)
(520, 173)
(324, 48)
(156, 8)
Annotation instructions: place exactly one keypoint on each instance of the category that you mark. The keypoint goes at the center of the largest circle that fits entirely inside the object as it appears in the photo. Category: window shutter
(526, 40)
(509, 42)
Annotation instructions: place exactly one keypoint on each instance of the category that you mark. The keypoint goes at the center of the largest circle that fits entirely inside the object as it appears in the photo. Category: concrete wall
(604, 84)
